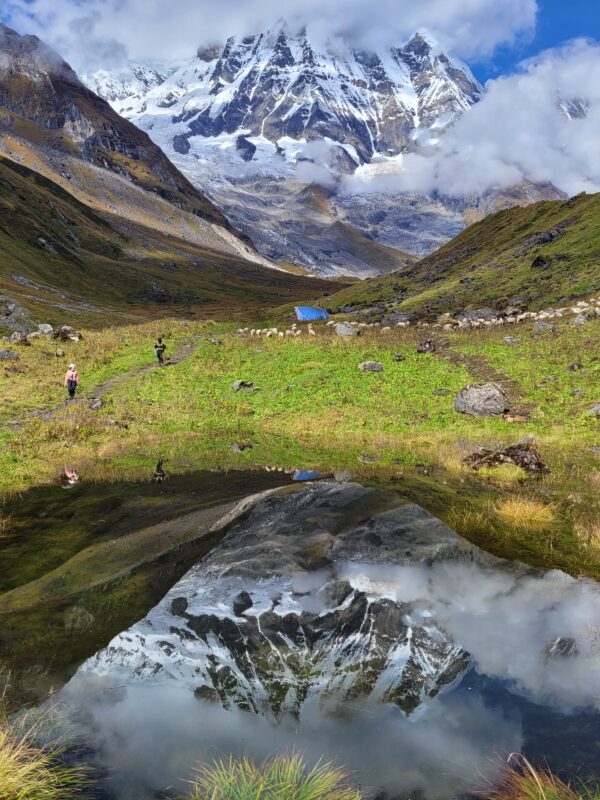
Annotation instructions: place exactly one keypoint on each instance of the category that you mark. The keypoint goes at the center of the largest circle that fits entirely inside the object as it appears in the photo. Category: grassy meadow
(316, 409)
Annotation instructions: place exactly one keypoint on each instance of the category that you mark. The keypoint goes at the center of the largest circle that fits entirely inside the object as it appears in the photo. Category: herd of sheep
(582, 310)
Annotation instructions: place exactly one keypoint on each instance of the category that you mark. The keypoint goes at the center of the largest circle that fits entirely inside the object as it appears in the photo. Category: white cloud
(518, 131)
(89, 31)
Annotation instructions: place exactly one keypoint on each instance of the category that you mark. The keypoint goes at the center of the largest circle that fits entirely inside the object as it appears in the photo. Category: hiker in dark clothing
(71, 380)
(160, 348)
(159, 473)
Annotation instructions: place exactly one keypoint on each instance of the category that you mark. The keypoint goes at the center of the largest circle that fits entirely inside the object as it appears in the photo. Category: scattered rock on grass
(96, 404)
(66, 333)
(543, 326)
(343, 329)
(575, 366)
(481, 400)
(244, 386)
(367, 458)
(17, 337)
(399, 357)
(595, 411)
(239, 447)
(371, 366)
(45, 329)
(426, 347)
(523, 454)
(9, 355)
(512, 339)
(59, 353)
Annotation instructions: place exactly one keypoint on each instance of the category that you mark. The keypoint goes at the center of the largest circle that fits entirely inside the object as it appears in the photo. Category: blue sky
(558, 21)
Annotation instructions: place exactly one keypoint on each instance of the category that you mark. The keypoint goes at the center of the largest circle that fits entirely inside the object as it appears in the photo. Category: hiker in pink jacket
(71, 380)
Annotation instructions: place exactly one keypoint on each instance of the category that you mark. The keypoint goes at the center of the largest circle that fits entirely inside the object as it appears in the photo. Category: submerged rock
(481, 400)
(314, 625)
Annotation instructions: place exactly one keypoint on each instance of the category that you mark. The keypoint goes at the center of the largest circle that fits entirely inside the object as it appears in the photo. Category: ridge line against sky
(543, 58)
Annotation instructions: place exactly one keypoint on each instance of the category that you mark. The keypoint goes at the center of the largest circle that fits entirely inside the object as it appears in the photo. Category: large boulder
(45, 329)
(345, 330)
(371, 366)
(481, 400)
(66, 334)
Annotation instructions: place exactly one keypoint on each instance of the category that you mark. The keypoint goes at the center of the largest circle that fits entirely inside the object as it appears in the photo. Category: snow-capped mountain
(282, 85)
(262, 120)
(126, 88)
(271, 621)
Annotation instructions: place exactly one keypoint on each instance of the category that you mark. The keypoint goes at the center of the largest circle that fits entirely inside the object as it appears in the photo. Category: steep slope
(262, 121)
(61, 261)
(532, 256)
(42, 99)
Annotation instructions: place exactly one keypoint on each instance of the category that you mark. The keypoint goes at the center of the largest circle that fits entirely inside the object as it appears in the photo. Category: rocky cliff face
(43, 102)
(274, 618)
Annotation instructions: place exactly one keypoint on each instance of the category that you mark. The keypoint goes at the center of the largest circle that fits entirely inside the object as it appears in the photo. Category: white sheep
(387, 329)
(281, 334)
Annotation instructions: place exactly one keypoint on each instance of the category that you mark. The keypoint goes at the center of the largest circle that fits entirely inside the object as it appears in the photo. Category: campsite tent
(307, 313)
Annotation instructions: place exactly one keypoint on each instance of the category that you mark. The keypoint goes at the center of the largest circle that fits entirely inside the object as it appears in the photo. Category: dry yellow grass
(29, 771)
(5, 527)
(525, 513)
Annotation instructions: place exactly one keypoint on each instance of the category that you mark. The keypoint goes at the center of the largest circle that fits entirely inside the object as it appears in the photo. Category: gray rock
(241, 602)
(595, 411)
(244, 386)
(512, 339)
(426, 347)
(9, 355)
(371, 366)
(66, 333)
(399, 358)
(580, 319)
(345, 330)
(481, 400)
(96, 404)
(45, 329)
(59, 353)
(543, 326)
(575, 366)
(18, 337)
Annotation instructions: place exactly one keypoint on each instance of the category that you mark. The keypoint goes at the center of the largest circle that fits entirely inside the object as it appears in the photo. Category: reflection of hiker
(71, 380)
(160, 348)
(159, 473)
(70, 477)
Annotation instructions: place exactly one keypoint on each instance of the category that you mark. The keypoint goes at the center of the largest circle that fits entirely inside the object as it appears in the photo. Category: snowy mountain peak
(285, 83)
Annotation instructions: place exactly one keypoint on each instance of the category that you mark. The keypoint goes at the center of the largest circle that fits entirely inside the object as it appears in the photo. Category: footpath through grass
(315, 408)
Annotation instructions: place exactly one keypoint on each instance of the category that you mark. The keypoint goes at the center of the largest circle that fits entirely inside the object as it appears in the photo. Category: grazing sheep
(297, 333)
(311, 332)
(387, 329)
(289, 333)
(281, 334)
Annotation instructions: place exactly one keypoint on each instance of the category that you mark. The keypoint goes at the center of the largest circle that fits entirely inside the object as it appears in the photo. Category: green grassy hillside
(62, 262)
(534, 256)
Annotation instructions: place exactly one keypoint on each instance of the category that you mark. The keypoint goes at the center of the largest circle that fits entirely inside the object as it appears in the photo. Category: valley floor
(316, 410)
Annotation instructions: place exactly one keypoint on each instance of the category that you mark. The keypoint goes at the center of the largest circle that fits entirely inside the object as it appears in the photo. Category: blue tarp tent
(308, 314)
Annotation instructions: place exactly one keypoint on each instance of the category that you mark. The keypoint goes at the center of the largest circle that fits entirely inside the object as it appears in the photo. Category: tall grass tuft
(525, 513)
(29, 771)
(278, 778)
(522, 781)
